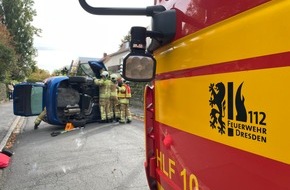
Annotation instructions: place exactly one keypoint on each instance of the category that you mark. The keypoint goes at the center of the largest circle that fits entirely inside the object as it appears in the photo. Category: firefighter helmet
(113, 77)
(105, 74)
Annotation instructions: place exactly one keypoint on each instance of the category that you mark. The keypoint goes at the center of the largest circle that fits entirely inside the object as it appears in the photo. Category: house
(113, 61)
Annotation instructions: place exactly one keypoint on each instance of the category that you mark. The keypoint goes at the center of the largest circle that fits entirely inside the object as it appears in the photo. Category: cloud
(44, 48)
(69, 32)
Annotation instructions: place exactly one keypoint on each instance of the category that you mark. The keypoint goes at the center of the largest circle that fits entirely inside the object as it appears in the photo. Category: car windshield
(84, 69)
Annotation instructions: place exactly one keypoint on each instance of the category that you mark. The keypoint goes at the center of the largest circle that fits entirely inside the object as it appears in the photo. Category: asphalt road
(98, 157)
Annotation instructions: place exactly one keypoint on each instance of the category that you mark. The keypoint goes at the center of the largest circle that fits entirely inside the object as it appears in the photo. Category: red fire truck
(216, 110)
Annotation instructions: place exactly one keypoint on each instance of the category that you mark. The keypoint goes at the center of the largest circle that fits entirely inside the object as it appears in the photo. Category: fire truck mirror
(139, 68)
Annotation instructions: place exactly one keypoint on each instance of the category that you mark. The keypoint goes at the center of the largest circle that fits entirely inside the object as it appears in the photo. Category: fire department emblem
(218, 105)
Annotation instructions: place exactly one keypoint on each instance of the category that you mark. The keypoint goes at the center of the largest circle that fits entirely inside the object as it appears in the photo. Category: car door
(28, 99)
(97, 67)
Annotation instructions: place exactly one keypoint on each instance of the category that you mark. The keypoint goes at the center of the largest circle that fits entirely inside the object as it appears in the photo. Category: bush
(3, 92)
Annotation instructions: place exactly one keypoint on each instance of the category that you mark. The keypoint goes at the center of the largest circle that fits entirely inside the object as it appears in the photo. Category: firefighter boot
(36, 126)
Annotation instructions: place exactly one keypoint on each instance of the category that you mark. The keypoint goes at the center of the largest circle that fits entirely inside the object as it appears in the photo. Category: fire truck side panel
(192, 161)
(193, 15)
(221, 100)
(257, 32)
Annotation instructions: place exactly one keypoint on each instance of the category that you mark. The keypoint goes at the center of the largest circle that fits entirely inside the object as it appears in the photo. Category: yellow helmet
(105, 74)
(113, 77)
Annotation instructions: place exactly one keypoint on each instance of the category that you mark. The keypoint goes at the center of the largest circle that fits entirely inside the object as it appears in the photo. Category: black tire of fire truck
(79, 123)
(77, 79)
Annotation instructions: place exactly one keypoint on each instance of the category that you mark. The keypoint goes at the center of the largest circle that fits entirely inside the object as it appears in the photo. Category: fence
(137, 89)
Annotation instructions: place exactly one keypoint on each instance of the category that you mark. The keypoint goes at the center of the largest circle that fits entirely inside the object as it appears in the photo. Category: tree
(18, 15)
(125, 39)
(38, 75)
(7, 54)
(62, 71)
(56, 72)
(7, 59)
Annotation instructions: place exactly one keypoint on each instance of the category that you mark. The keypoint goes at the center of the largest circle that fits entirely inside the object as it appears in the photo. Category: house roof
(124, 48)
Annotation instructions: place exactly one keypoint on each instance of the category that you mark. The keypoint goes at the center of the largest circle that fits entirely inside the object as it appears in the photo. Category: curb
(18, 122)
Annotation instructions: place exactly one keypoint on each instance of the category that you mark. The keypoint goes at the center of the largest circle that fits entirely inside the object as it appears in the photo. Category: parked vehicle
(216, 110)
(73, 98)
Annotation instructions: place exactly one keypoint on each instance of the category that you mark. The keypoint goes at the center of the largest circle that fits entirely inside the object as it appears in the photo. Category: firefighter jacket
(104, 87)
(124, 91)
(113, 89)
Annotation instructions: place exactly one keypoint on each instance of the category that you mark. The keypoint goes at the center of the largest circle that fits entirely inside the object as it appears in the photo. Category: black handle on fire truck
(148, 11)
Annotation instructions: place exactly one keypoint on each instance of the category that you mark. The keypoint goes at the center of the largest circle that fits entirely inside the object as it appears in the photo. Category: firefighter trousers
(105, 109)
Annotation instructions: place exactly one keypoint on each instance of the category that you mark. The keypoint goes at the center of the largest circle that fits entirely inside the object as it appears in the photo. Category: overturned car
(67, 99)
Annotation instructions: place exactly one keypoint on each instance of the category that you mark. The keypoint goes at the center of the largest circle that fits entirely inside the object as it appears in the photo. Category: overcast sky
(69, 32)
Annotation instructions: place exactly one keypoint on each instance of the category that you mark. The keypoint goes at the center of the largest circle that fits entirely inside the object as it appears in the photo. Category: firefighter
(114, 102)
(39, 118)
(124, 95)
(104, 96)
(10, 90)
